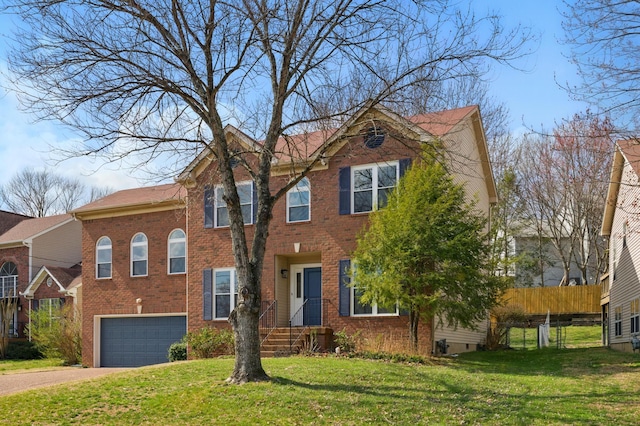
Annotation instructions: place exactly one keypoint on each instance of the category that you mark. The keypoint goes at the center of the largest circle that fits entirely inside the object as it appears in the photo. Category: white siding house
(621, 224)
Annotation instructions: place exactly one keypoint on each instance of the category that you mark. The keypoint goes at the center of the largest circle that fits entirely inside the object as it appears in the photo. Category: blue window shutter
(34, 304)
(344, 178)
(405, 163)
(208, 207)
(207, 294)
(345, 291)
(254, 194)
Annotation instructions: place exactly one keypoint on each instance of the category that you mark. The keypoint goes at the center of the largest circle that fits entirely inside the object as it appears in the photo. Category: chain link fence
(562, 335)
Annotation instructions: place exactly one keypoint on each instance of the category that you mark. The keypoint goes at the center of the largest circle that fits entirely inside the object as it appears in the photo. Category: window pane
(247, 216)
(298, 198)
(177, 265)
(177, 249)
(223, 282)
(104, 256)
(362, 179)
(139, 238)
(245, 193)
(362, 201)
(222, 306)
(386, 176)
(297, 214)
(104, 242)
(139, 252)
(223, 216)
(104, 270)
(383, 195)
(219, 194)
(358, 308)
(177, 234)
(140, 267)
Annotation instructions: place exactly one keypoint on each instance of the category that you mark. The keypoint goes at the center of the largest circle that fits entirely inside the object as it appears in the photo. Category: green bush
(177, 352)
(209, 342)
(57, 333)
(345, 342)
(23, 350)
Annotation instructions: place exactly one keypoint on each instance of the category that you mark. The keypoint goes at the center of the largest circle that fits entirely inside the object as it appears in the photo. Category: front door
(306, 295)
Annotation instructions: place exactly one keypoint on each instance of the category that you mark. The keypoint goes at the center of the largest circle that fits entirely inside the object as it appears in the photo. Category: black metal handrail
(268, 318)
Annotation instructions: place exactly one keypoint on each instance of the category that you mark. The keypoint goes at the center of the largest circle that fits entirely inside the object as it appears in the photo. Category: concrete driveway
(23, 381)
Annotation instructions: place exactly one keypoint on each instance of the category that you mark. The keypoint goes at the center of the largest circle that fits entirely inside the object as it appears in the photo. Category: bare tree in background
(40, 193)
(605, 47)
(148, 80)
(565, 177)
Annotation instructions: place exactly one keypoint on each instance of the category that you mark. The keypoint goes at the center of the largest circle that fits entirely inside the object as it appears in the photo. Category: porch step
(277, 344)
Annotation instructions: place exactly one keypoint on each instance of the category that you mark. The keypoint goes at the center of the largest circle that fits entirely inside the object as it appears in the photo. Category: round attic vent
(49, 282)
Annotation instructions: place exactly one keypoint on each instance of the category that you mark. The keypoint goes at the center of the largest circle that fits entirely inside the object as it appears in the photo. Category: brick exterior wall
(19, 256)
(159, 291)
(326, 239)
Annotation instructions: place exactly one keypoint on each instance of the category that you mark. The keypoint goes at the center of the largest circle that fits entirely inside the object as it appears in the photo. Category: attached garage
(137, 340)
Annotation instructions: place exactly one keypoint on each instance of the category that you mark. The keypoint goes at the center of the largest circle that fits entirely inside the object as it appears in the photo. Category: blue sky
(532, 97)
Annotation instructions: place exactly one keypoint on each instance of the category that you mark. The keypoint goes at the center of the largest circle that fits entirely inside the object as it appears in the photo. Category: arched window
(8, 280)
(299, 202)
(177, 252)
(103, 258)
(139, 255)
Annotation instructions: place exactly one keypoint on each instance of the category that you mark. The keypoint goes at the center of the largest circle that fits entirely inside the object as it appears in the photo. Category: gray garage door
(137, 341)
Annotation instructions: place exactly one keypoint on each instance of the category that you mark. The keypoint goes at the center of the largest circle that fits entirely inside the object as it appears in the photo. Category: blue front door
(312, 311)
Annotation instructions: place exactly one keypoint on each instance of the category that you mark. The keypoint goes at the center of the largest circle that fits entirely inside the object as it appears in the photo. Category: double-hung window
(139, 255)
(225, 287)
(299, 202)
(372, 185)
(617, 321)
(103, 258)
(635, 316)
(360, 309)
(245, 193)
(177, 252)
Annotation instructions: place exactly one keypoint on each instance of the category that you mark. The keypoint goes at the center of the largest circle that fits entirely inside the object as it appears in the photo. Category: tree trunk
(414, 318)
(245, 321)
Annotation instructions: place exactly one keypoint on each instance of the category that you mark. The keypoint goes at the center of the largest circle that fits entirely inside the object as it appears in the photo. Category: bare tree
(605, 47)
(8, 306)
(41, 193)
(565, 177)
(160, 80)
(583, 147)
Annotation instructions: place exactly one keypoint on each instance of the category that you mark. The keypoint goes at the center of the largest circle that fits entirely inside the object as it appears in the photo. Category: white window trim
(234, 286)
(374, 179)
(302, 186)
(174, 241)
(374, 306)
(132, 244)
(634, 314)
(216, 204)
(617, 320)
(98, 248)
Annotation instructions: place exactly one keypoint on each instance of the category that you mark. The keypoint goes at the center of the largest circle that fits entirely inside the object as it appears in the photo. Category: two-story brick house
(34, 251)
(133, 275)
(314, 226)
(311, 237)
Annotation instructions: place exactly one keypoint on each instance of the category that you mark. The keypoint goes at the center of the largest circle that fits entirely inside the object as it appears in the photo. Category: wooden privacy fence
(582, 299)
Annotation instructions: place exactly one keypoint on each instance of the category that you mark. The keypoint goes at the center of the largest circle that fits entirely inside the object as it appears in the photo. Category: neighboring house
(621, 225)
(134, 276)
(539, 263)
(33, 251)
(157, 262)
(8, 220)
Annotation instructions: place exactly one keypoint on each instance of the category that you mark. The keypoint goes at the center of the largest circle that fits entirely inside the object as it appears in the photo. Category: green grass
(36, 364)
(576, 386)
(569, 337)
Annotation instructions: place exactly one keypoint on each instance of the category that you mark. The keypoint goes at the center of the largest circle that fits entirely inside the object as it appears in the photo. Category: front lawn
(35, 364)
(575, 386)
